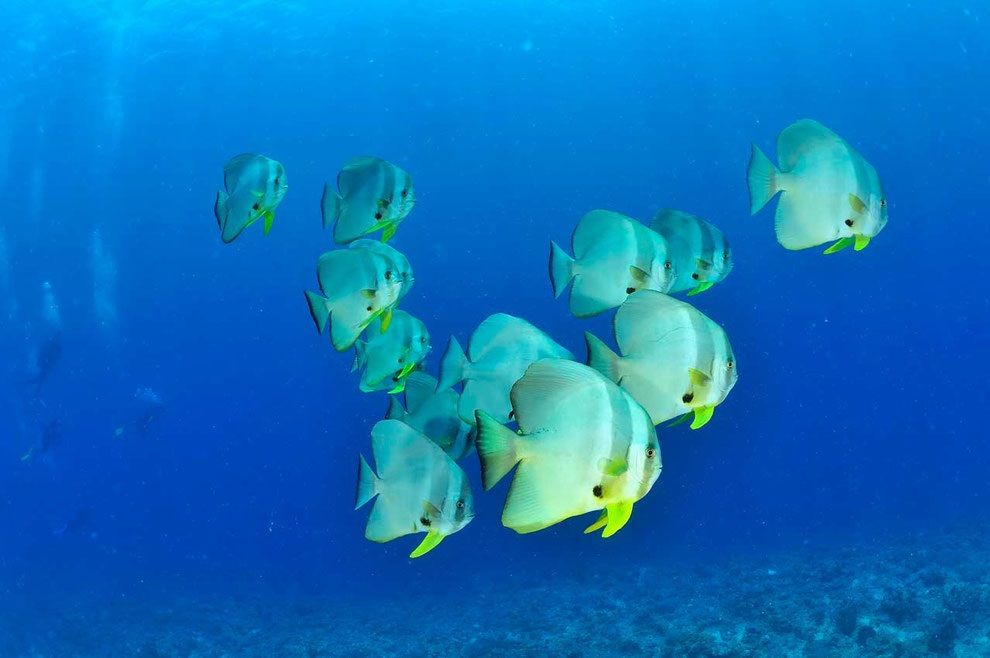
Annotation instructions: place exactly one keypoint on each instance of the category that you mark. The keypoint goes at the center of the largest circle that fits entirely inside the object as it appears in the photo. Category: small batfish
(500, 350)
(614, 256)
(829, 192)
(434, 413)
(372, 195)
(700, 252)
(253, 187)
(358, 286)
(389, 357)
(419, 488)
(675, 361)
(583, 444)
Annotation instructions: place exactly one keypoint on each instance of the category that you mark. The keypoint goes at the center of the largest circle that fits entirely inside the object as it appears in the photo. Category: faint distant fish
(253, 187)
(700, 252)
(829, 191)
(388, 358)
(675, 361)
(614, 256)
(500, 350)
(583, 444)
(372, 195)
(433, 412)
(358, 285)
(419, 488)
(51, 436)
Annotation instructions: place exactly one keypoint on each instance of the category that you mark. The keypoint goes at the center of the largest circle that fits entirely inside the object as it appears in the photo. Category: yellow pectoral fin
(430, 541)
(600, 523)
(406, 369)
(700, 288)
(701, 416)
(269, 220)
(386, 320)
(618, 515)
(613, 467)
(699, 378)
(839, 245)
(861, 242)
(389, 232)
(856, 203)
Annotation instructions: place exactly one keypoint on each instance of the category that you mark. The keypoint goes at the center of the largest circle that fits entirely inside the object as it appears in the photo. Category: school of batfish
(581, 438)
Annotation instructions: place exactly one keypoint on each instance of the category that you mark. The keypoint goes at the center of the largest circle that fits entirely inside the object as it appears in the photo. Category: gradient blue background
(862, 393)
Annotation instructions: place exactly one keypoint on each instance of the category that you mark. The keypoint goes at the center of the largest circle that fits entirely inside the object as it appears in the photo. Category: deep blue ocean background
(861, 406)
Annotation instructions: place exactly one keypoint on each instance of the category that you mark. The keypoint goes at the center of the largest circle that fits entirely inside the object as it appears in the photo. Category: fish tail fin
(360, 355)
(395, 409)
(561, 269)
(330, 206)
(367, 484)
(453, 364)
(319, 309)
(602, 358)
(220, 208)
(762, 176)
(496, 445)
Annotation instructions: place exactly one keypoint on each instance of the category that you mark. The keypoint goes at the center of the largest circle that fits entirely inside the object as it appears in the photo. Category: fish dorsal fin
(358, 176)
(551, 392)
(235, 168)
(598, 228)
(495, 331)
(648, 318)
(419, 388)
(802, 138)
(668, 222)
(400, 451)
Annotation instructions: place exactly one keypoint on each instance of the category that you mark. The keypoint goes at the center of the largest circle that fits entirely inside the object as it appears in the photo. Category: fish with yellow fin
(387, 358)
(418, 488)
(372, 195)
(253, 187)
(828, 191)
(583, 444)
(700, 251)
(674, 361)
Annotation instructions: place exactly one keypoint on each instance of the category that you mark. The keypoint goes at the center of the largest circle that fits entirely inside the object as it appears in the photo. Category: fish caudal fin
(453, 364)
(220, 209)
(430, 541)
(762, 176)
(367, 484)
(602, 358)
(561, 269)
(330, 206)
(319, 309)
(496, 446)
(395, 409)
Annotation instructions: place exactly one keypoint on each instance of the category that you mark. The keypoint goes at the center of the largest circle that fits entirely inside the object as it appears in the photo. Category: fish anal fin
(861, 242)
(269, 220)
(386, 320)
(389, 231)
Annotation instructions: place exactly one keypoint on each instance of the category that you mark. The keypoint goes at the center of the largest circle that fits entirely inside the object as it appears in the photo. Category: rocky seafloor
(919, 596)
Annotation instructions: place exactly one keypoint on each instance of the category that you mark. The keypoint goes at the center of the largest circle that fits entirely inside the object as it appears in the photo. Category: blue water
(860, 408)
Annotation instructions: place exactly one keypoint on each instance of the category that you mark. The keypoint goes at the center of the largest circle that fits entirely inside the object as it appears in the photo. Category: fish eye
(651, 452)
(422, 339)
(405, 193)
(667, 265)
(849, 222)
(730, 363)
(401, 359)
(388, 275)
(460, 504)
(725, 254)
(276, 181)
(883, 203)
